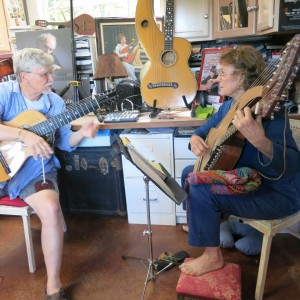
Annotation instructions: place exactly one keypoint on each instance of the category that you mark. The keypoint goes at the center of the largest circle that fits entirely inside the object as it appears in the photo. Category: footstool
(223, 284)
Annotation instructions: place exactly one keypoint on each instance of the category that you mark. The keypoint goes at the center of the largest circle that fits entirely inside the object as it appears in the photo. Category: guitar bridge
(173, 85)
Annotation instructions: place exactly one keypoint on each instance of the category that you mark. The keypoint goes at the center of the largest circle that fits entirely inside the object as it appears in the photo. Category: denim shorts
(30, 189)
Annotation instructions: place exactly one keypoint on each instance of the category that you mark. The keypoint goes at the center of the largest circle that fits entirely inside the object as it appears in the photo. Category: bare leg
(210, 260)
(46, 205)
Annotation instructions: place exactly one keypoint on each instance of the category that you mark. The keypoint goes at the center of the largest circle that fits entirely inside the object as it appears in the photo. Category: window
(59, 10)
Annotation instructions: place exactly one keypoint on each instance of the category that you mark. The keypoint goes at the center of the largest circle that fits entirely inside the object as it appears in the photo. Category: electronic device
(130, 94)
(122, 116)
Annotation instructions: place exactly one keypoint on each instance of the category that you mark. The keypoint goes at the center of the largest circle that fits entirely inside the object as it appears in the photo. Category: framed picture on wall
(62, 59)
(4, 38)
(209, 72)
(118, 35)
(17, 14)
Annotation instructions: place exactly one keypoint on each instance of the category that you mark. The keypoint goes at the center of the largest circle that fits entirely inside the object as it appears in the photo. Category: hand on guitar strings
(252, 129)
(37, 144)
(198, 145)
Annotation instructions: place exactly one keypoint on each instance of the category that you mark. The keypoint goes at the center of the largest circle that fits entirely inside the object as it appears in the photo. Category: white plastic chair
(270, 228)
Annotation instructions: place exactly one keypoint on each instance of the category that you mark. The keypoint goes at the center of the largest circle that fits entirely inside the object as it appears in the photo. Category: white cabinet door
(183, 157)
(265, 15)
(159, 148)
(193, 19)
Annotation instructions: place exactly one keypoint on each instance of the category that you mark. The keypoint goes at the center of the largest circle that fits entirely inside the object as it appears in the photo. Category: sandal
(168, 260)
(60, 295)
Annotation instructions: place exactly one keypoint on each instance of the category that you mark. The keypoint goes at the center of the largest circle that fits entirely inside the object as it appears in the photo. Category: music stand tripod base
(151, 275)
(164, 181)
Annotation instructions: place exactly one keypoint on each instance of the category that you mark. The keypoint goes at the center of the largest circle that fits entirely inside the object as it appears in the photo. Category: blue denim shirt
(12, 104)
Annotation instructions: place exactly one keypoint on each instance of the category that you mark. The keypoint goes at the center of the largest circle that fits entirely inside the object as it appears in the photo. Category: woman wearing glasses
(272, 189)
(35, 182)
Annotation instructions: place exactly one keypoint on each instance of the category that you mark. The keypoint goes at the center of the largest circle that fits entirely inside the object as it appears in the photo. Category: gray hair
(42, 38)
(27, 59)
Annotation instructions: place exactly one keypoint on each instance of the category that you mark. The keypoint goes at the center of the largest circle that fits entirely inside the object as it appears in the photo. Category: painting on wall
(208, 79)
(62, 59)
(16, 13)
(118, 35)
(4, 38)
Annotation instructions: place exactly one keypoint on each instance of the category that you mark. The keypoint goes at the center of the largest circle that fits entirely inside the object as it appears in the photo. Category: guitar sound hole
(145, 23)
(168, 58)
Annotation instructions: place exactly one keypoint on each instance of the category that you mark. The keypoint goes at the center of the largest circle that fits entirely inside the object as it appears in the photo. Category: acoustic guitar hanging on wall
(83, 24)
(166, 78)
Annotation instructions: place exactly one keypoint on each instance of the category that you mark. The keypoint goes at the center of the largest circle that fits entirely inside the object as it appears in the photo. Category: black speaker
(130, 95)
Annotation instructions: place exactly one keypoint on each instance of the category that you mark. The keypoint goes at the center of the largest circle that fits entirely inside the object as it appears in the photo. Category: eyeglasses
(45, 76)
(222, 74)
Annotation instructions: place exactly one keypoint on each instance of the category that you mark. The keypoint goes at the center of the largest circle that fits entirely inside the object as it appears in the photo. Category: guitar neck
(83, 24)
(169, 25)
(66, 24)
(74, 111)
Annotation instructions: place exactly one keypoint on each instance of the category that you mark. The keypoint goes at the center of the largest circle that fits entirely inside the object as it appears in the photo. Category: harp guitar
(166, 78)
(225, 142)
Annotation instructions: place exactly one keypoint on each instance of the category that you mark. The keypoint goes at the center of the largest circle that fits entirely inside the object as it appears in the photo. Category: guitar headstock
(41, 23)
(276, 89)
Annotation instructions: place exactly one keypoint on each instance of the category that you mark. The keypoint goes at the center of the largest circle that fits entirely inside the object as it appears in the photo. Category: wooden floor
(93, 267)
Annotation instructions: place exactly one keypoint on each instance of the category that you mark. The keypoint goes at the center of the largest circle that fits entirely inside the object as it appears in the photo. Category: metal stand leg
(151, 275)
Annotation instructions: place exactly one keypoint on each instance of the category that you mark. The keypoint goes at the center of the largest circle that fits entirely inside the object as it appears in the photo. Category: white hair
(27, 59)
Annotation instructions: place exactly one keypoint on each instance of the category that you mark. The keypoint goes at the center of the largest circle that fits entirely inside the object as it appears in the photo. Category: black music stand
(164, 181)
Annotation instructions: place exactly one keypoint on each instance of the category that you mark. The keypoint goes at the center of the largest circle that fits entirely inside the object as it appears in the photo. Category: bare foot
(207, 262)
(185, 228)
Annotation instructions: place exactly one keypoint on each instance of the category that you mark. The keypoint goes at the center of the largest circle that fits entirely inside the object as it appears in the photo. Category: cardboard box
(103, 138)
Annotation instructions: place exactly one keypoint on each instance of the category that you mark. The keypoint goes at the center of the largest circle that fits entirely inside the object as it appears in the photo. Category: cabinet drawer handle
(205, 16)
(151, 199)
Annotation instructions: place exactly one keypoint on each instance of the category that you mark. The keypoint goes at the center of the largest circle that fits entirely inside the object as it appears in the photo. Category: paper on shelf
(160, 130)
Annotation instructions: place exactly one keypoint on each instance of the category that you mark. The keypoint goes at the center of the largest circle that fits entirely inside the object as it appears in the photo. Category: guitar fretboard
(169, 25)
(73, 112)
